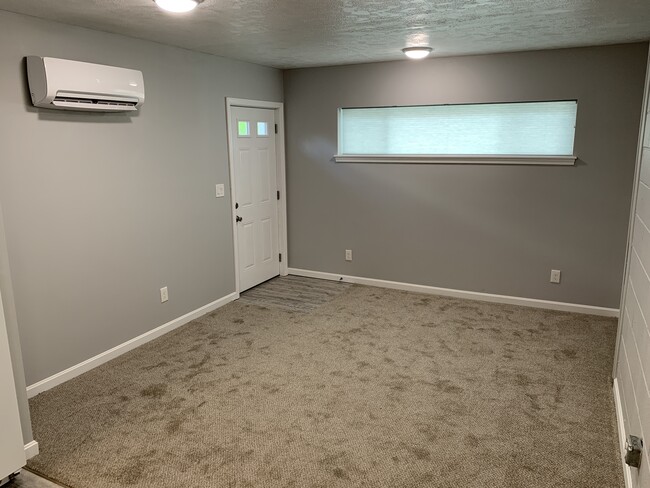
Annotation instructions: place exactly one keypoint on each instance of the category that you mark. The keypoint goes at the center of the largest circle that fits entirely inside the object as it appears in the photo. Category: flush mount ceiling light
(177, 6)
(418, 52)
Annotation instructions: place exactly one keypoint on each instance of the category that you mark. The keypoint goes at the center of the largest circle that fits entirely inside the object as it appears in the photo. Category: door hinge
(280, 257)
(276, 128)
(633, 451)
(278, 194)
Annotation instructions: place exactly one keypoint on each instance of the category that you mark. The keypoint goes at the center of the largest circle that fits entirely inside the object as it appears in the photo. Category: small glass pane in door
(262, 129)
(243, 128)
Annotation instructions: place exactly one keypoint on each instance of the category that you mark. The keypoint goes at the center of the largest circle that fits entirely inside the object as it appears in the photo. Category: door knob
(238, 219)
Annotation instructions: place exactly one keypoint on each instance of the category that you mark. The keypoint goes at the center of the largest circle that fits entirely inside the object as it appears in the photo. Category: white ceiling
(297, 33)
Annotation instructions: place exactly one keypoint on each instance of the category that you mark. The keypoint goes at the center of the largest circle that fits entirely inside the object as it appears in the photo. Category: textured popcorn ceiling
(296, 33)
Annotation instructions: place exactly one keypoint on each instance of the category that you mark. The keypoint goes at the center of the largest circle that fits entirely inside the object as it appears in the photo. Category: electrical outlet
(164, 295)
(348, 254)
(555, 275)
(220, 189)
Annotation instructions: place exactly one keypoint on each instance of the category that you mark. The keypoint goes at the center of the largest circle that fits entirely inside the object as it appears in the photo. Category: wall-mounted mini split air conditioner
(72, 85)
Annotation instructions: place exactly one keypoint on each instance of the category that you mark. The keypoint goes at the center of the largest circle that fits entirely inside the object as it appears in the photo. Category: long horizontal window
(535, 131)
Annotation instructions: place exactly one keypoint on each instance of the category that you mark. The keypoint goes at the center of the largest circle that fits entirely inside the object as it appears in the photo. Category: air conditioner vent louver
(110, 102)
(114, 103)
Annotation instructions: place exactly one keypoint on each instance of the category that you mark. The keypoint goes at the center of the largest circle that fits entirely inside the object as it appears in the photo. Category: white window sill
(457, 159)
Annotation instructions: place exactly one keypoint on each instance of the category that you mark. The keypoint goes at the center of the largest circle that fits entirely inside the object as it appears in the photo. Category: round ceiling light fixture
(417, 52)
(177, 6)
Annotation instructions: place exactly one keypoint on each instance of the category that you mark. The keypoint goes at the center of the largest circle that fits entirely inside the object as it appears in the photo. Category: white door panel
(264, 178)
(244, 184)
(247, 236)
(255, 172)
(267, 240)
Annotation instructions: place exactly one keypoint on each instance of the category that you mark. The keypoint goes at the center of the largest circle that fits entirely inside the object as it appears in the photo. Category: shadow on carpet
(294, 293)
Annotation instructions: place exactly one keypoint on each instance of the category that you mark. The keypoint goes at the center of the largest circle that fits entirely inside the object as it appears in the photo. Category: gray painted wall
(494, 229)
(102, 210)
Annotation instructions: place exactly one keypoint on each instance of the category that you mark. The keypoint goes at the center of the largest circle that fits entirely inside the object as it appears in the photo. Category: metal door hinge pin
(633, 450)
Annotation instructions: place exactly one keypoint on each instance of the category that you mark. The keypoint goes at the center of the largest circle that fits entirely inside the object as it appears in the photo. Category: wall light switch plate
(164, 295)
(221, 191)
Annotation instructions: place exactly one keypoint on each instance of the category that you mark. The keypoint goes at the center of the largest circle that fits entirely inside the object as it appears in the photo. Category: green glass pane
(243, 128)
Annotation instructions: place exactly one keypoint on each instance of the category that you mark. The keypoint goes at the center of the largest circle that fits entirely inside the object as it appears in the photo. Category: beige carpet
(375, 388)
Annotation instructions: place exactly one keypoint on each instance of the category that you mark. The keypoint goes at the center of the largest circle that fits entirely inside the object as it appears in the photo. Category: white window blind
(495, 129)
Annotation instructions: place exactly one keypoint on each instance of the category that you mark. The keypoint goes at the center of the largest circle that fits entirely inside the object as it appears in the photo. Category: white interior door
(12, 451)
(255, 193)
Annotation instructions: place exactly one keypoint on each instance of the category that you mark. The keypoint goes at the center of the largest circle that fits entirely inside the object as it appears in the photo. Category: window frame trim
(502, 159)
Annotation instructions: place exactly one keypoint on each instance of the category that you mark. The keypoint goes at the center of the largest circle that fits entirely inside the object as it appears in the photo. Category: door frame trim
(280, 158)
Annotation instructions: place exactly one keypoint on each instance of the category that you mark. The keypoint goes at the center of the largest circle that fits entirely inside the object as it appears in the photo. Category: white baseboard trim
(88, 364)
(31, 449)
(470, 295)
(627, 471)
